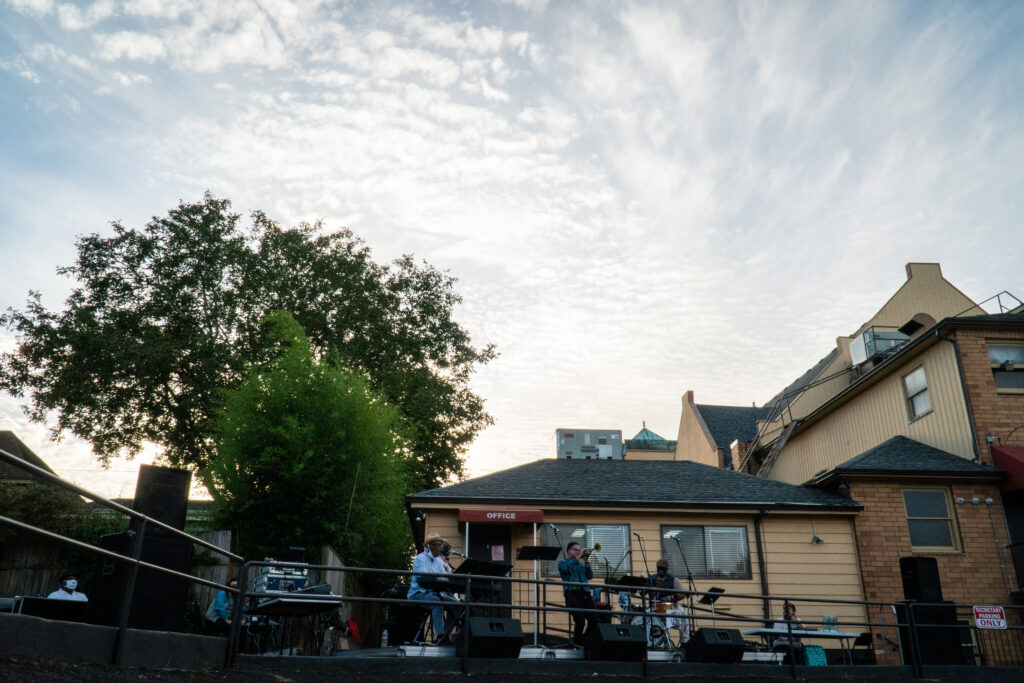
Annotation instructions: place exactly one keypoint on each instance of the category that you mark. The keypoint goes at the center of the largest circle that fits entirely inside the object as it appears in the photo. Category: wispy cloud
(635, 196)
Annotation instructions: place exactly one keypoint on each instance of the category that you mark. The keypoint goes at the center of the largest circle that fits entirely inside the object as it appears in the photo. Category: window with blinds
(614, 540)
(709, 551)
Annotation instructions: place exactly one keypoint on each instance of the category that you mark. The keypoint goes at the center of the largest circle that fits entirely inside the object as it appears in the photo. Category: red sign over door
(501, 516)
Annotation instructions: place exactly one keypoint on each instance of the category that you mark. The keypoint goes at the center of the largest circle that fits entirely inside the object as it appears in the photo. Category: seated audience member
(67, 590)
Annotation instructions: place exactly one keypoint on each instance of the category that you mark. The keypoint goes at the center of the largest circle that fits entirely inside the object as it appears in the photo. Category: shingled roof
(632, 483)
(901, 456)
(729, 423)
(12, 444)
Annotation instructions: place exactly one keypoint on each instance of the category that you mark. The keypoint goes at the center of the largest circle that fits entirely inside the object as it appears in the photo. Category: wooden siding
(794, 566)
(880, 413)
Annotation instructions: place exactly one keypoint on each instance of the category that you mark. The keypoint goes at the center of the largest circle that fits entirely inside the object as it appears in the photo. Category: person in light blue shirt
(573, 569)
(218, 616)
(431, 561)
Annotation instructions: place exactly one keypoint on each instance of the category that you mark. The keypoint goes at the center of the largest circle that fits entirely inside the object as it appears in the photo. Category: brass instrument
(585, 555)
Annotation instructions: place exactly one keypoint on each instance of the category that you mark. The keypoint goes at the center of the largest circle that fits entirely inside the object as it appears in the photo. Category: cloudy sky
(637, 198)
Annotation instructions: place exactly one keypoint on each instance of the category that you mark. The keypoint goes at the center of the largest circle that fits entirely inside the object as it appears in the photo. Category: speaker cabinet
(938, 643)
(159, 599)
(491, 638)
(920, 579)
(162, 493)
(617, 643)
(719, 645)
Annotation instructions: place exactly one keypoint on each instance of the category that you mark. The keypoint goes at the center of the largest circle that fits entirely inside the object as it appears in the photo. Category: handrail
(60, 483)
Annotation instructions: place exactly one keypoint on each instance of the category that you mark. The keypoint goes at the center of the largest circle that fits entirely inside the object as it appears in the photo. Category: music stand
(710, 598)
(548, 553)
(538, 552)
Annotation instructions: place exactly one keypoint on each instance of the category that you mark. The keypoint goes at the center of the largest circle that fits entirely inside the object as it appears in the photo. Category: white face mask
(71, 584)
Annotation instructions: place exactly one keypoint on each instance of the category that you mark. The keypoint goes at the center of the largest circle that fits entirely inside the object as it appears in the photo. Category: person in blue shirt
(576, 570)
(431, 561)
(218, 616)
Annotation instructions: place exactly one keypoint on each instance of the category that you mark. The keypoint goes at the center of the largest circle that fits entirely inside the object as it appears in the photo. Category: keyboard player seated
(426, 589)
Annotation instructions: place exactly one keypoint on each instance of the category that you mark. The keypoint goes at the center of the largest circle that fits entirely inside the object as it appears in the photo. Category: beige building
(747, 535)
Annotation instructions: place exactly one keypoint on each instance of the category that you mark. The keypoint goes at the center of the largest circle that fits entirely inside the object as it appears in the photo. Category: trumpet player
(575, 568)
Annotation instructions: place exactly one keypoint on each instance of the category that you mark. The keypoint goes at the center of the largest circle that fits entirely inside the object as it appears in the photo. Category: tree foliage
(165, 318)
(307, 455)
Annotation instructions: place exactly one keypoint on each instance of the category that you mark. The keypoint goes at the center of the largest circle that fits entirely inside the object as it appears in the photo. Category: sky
(637, 198)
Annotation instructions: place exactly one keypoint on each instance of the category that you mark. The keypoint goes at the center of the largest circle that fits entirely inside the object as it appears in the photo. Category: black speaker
(719, 645)
(162, 493)
(921, 579)
(617, 643)
(938, 643)
(491, 638)
(159, 599)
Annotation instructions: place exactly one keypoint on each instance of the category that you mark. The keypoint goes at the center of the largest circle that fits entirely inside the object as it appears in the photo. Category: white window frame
(704, 563)
(570, 532)
(912, 413)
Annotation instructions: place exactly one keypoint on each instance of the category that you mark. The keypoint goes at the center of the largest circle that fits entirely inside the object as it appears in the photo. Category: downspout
(967, 395)
(761, 566)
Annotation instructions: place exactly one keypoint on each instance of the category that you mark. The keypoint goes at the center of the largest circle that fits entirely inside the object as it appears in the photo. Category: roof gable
(902, 455)
(729, 423)
(12, 444)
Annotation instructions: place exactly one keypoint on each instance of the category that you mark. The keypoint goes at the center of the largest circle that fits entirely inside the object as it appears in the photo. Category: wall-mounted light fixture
(844, 488)
(815, 540)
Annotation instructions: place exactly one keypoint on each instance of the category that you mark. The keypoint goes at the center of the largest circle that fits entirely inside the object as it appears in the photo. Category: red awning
(1010, 459)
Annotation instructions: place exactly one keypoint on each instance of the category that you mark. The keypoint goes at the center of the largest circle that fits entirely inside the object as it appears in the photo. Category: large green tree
(163, 318)
(308, 454)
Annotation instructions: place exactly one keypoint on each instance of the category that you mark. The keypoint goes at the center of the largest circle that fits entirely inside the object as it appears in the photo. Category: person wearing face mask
(67, 590)
(663, 579)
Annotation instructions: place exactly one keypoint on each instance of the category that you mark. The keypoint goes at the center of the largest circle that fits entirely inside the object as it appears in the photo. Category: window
(614, 540)
(1007, 367)
(928, 517)
(709, 551)
(916, 386)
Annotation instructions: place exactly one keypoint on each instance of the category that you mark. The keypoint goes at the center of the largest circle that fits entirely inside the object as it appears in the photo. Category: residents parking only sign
(989, 617)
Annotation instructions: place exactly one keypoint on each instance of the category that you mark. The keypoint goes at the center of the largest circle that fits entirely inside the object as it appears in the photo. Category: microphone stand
(690, 585)
(646, 596)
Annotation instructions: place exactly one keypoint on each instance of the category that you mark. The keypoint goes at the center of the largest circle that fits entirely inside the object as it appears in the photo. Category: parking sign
(989, 617)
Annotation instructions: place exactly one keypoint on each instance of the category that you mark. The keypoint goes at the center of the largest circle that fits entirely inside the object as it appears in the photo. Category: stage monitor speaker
(719, 645)
(159, 599)
(617, 643)
(491, 638)
(162, 493)
(921, 579)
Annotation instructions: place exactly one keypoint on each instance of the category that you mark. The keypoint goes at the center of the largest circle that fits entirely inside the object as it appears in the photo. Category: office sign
(989, 617)
(501, 516)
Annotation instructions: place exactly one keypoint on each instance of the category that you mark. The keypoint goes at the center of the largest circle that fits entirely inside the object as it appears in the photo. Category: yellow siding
(693, 443)
(795, 567)
(925, 291)
(878, 414)
(650, 455)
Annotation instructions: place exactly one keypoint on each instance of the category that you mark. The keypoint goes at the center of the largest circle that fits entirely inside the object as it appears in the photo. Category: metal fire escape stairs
(773, 455)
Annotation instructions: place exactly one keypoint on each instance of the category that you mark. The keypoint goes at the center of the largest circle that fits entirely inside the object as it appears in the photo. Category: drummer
(663, 579)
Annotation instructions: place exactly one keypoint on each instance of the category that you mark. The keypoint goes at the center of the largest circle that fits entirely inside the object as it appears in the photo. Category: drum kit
(666, 623)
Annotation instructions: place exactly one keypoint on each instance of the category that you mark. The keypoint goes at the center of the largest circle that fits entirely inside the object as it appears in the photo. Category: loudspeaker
(162, 493)
(617, 643)
(920, 579)
(938, 643)
(719, 645)
(491, 638)
(159, 599)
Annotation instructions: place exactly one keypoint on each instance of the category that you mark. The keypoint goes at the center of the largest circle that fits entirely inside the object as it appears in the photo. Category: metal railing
(137, 534)
(908, 626)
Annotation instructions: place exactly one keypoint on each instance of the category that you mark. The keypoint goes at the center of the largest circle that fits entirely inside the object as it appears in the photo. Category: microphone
(553, 527)
(458, 554)
(637, 534)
